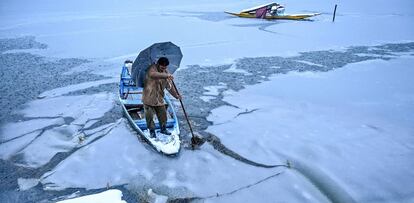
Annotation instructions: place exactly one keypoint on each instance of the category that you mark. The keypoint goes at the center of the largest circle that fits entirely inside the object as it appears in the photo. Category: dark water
(24, 76)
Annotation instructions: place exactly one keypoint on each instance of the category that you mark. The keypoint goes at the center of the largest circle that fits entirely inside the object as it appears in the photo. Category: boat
(271, 11)
(130, 98)
(280, 17)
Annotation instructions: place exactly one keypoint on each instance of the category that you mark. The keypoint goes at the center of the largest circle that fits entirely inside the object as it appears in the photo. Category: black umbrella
(150, 56)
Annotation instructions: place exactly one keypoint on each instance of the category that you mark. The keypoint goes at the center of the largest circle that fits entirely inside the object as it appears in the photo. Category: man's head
(163, 62)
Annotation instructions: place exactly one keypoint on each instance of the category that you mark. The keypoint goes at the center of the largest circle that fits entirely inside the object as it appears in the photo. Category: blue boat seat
(127, 81)
(142, 124)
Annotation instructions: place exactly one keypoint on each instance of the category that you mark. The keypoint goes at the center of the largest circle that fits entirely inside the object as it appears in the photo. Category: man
(156, 80)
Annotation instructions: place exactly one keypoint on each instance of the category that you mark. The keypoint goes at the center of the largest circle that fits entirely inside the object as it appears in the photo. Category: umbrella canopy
(151, 55)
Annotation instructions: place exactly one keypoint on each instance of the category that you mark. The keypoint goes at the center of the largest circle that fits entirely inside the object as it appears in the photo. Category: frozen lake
(291, 111)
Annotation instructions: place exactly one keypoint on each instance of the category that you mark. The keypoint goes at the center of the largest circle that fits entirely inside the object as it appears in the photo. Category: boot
(165, 131)
(152, 134)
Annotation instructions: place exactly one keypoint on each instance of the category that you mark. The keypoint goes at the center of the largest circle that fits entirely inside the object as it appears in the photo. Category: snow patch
(207, 98)
(213, 90)
(310, 63)
(233, 69)
(71, 88)
(25, 184)
(109, 196)
(156, 198)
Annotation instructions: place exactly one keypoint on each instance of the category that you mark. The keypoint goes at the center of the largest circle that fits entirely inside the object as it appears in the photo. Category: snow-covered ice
(72, 88)
(353, 125)
(234, 69)
(25, 184)
(109, 196)
(47, 133)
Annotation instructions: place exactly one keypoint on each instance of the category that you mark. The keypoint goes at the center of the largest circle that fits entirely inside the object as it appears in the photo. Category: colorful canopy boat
(271, 11)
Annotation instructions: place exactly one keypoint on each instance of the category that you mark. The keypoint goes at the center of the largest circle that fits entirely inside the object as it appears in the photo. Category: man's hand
(170, 77)
(179, 97)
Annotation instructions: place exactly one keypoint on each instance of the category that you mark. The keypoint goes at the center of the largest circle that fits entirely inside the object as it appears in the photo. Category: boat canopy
(270, 9)
(254, 9)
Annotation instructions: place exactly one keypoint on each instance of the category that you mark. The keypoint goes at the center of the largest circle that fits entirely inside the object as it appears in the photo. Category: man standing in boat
(156, 80)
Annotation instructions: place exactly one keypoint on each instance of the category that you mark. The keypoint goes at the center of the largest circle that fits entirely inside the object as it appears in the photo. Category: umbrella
(151, 55)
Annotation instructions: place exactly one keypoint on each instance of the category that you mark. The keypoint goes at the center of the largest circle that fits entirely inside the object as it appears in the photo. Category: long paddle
(186, 117)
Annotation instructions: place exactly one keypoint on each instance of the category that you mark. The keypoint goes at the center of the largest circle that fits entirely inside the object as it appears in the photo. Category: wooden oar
(193, 141)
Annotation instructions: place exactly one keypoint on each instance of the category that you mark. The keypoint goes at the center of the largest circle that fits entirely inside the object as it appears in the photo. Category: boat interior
(131, 96)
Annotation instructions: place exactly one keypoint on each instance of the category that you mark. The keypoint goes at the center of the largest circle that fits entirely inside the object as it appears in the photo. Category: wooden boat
(271, 11)
(130, 99)
(280, 17)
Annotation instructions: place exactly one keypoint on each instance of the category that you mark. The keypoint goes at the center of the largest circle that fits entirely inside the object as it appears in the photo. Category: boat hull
(276, 17)
(133, 108)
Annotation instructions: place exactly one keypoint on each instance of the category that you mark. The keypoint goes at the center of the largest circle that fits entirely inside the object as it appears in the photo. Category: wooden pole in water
(186, 117)
(333, 19)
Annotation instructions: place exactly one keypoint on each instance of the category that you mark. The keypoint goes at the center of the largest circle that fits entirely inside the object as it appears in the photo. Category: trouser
(149, 116)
